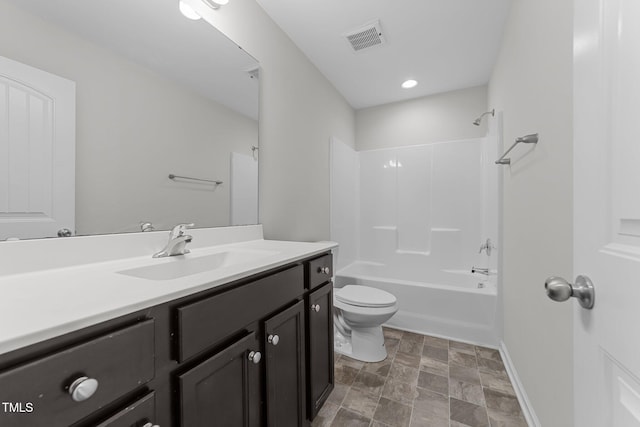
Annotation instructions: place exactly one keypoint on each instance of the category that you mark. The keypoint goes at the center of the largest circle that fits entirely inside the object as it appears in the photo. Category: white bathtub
(449, 304)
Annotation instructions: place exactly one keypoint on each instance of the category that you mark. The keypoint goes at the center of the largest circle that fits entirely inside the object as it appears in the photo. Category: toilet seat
(364, 296)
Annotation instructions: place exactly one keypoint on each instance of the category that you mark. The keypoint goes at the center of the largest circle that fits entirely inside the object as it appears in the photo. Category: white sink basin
(186, 265)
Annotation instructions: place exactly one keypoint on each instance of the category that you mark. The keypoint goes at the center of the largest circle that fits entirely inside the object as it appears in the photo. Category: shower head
(528, 139)
(479, 119)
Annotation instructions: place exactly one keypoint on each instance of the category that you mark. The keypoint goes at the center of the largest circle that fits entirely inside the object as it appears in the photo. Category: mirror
(156, 94)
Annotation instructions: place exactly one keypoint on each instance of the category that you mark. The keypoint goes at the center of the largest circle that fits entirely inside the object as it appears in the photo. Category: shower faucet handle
(487, 246)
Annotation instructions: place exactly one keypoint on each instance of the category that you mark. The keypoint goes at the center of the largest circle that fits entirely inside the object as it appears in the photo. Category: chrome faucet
(484, 271)
(177, 242)
(146, 226)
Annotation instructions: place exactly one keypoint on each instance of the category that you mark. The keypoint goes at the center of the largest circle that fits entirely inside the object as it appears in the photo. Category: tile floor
(426, 382)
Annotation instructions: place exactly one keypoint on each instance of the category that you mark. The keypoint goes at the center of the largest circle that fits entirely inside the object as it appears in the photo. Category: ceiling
(192, 53)
(443, 44)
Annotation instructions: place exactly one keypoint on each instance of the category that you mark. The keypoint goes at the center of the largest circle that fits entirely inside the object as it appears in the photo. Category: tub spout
(484, 271)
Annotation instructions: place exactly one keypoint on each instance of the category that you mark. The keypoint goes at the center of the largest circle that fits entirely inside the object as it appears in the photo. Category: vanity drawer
(319, 271)
(40, 390)
(206, 322)
(138, 414)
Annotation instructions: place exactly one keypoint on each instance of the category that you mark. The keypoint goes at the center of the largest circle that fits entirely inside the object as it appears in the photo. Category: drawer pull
(315, 307)
(273, 339)
(255, 357)
(324, 270)
(83, 388)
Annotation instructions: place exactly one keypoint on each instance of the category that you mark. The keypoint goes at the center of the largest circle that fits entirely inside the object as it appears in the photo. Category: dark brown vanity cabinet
(292, 309)
(256, 352)
(225, 388)
(137, 414)
(65, 386)
(228, 386)
(285, 367)
(319, 317)
(320, 347)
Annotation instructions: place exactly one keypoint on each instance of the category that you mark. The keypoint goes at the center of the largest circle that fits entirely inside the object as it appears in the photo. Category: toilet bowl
(359, 312)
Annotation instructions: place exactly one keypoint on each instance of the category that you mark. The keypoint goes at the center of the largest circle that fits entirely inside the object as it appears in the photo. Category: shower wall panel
(422, 206)
(414, 211)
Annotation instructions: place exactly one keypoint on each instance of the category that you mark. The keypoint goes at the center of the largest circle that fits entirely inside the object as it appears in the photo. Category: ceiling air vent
(367, 36)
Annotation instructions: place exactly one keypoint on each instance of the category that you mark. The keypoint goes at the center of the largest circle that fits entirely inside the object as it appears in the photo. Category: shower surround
(411, 221)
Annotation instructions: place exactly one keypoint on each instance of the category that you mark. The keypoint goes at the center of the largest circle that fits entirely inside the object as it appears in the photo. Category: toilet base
(342, 344)
(366, 344)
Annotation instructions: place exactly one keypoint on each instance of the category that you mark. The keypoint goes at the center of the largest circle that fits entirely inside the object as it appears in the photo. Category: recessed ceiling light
(188, 11)
(409, 84)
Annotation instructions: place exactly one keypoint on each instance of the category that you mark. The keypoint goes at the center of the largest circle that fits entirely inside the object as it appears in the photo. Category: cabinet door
(320, 347)
(285, 373)
(225, 389)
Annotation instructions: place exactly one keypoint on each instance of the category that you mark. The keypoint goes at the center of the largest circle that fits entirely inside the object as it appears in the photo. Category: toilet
(359, 312)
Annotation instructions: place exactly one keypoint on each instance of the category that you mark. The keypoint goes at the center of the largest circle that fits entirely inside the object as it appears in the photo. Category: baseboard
(523, 399)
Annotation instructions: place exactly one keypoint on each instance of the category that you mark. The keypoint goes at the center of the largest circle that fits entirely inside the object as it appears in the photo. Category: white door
(607, 211)
(243, 189)
(37, 152)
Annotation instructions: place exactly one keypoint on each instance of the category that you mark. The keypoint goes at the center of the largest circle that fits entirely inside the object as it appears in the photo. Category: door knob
(559, 289)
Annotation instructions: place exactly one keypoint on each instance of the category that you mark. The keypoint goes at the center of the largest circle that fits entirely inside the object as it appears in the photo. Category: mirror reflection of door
(37, 152)
(156, 94)
(244, 189)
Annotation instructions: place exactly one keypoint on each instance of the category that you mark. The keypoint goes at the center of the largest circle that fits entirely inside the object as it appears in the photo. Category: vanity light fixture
(408, 84)
(188, 11)
(215, 4)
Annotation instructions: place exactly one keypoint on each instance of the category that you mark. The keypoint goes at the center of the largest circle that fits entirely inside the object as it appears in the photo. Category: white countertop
(47, 303)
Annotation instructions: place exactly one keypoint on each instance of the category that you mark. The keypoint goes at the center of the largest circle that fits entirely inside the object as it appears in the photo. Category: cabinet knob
(150, 425)
(255, 357)
(315, 307)
(324, 270)
(273, 339)
(83, 388)
(65, 232)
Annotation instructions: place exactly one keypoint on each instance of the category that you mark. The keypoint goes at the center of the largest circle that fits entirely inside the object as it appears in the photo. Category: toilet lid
(364, 296)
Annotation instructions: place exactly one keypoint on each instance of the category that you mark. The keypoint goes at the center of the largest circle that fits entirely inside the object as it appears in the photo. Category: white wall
(345, 196)
(299, 112)
(443, 117)
(133, 128)
(532, 84)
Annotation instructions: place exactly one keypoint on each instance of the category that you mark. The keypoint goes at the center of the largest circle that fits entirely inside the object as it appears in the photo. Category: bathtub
(453, 304)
